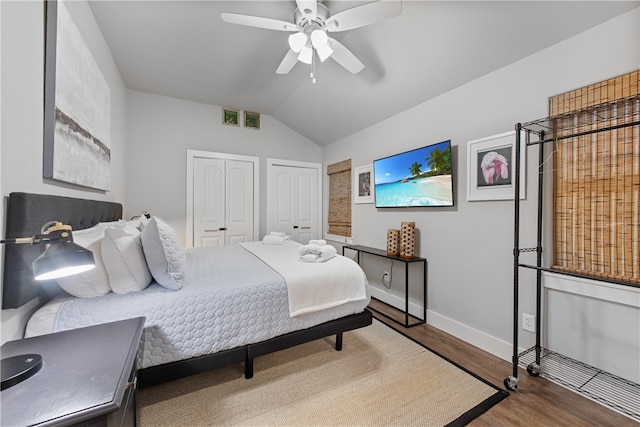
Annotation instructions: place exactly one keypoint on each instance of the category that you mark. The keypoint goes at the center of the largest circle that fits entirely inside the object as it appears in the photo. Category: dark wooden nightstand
(87, 378)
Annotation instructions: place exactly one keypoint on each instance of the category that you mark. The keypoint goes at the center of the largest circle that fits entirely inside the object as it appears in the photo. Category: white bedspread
(313, 287)
(231, 298)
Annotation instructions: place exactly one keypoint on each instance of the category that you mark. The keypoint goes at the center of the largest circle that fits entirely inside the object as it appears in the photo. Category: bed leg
(339, 341)
(248, 368)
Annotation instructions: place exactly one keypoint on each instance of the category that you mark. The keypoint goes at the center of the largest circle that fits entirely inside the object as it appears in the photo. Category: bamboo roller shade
(599, 93)
(597, 180)
(340, 198)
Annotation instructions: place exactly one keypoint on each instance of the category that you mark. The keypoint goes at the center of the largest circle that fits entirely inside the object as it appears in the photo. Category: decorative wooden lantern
(408, 240)
(393, 242)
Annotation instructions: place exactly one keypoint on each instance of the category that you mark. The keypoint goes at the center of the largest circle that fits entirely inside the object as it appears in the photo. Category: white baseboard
(396, 301)
(488, 343)
(482, 340)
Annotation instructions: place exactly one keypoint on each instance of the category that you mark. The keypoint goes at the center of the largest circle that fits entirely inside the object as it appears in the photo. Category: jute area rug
(379, 378)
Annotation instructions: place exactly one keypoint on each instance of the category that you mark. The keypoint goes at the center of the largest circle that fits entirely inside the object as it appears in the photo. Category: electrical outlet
(529, 322)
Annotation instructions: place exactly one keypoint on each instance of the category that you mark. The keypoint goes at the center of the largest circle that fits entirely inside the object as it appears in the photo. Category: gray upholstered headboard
(26, 214)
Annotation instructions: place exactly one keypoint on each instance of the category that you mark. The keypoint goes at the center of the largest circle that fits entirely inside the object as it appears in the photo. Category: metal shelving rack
(619, 394)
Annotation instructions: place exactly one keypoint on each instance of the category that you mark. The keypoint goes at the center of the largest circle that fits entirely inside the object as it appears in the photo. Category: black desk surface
(84, 374)
(383, 253)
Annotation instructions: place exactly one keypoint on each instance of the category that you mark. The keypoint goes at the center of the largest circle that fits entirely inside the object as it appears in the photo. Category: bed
(231, 308)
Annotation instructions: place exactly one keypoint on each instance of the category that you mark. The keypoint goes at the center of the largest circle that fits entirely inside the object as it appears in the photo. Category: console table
(378, 252)
(88, 377)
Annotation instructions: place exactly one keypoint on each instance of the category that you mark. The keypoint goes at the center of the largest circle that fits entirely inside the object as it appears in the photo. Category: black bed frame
(26, 213)
(245, 354)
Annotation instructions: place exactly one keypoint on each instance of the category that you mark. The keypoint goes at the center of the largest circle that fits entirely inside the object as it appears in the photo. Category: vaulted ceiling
(183, 49)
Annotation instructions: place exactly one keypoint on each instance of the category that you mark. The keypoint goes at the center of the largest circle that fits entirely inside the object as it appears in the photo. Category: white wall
(469, 247)
(162, 129)
(21, 137)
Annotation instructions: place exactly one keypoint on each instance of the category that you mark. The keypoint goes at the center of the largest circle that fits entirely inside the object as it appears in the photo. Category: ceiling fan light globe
(324, 52)
(306, 55)
(297, 41)
(319, 39)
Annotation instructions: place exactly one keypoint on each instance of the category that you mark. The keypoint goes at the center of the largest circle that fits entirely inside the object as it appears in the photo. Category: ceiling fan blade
(288, 62)
(344, 57)
(366, 14)
(308, 8)
(258, 22)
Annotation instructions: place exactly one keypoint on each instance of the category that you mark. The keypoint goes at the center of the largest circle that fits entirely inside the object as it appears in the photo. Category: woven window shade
(597, 181)
(340, 198)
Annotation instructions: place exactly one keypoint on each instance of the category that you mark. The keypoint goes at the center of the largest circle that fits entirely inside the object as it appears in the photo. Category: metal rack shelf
(610, 390)
(563, 126)
(617, 393)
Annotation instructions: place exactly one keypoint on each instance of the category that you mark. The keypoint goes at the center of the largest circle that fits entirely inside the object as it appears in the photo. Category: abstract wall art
(77, 116)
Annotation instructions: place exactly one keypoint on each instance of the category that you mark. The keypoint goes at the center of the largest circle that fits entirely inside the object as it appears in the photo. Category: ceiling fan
(312, 22)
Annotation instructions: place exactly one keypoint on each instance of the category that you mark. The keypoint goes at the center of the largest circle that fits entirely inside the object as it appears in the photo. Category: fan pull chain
(313, 66)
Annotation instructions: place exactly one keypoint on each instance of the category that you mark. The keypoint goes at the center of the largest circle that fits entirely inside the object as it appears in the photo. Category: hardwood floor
(538, 402)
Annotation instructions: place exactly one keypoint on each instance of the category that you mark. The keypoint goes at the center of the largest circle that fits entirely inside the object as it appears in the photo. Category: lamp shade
(62, 259)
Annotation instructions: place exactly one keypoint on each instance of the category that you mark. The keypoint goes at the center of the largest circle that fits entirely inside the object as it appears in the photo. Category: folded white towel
(270, 239)
(321, 242)
(314, 253)
(278, 233)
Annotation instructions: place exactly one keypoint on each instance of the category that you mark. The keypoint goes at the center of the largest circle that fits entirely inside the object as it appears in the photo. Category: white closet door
(305, 205)
(239, 202)
(223, 202)
(293, 202)
(208, 202)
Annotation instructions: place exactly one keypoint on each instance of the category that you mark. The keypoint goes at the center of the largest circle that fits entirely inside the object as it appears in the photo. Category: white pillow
(165, 255)
(95, 282)
(124, 259)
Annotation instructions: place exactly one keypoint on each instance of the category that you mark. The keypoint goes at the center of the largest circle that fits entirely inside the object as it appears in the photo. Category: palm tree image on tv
(415, 169)
(440, 161)
(420, 177)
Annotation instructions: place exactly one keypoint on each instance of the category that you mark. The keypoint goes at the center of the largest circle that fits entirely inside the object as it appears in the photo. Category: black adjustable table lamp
(62, 258)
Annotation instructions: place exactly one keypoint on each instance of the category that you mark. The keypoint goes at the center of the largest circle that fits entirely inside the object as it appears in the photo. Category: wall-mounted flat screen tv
(420, 177)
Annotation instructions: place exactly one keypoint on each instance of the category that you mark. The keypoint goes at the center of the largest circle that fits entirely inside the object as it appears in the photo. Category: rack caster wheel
(511, 383)
(533, 369)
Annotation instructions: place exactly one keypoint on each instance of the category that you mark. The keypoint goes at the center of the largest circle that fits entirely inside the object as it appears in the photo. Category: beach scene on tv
(420, 177)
